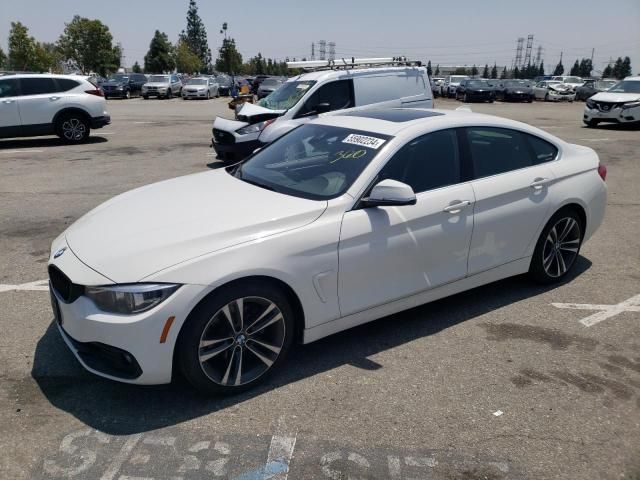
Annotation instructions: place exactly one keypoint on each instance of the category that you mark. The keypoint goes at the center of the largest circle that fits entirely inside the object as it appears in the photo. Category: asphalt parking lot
(510, 380)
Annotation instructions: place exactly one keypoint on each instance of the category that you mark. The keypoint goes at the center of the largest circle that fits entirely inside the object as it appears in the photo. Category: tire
(208, 95)
(464, 98)
(127, 94)
(558, 247)
(169, 94)
(236, 358)
(145, 97)
(546, 97)
(591, 123)
(72, 128)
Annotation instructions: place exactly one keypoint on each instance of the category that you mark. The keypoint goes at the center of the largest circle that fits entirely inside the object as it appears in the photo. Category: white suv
(41, 104)
(619, 104)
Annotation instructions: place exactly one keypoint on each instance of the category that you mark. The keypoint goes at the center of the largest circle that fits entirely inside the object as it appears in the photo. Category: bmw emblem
(59, 252)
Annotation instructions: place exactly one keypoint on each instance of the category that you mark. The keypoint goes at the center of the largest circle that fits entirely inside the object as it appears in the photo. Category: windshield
(159, 78)
(197, 81)
(516, 83)
(573, 80)
(478, 84)
(316, 162)
(222, 80)
(119, 78)
(457, 78)
(270, 82)
(286, 96)
(626, 86)
(605, 84)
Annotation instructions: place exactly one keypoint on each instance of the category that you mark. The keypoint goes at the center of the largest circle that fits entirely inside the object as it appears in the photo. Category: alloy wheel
(241, 341)
(73, 129)
(561, 247)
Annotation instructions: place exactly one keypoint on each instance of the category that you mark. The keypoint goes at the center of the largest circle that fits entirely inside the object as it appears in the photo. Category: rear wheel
(235, 338)
(72, 128)
(558, 247)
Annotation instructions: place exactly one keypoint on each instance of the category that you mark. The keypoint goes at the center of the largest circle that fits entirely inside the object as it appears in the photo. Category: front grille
(108, 88)
(607, 106)
(64, 287)
(222, 137)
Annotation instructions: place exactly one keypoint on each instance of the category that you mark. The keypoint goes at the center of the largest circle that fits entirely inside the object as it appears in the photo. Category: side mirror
(390, 193)
(322, 108)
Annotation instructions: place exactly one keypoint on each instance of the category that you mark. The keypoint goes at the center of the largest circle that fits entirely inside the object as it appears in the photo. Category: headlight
(162, 89)
(255, 128)
(591, 103)
(129, 299)
(631, 104)
(120, 87)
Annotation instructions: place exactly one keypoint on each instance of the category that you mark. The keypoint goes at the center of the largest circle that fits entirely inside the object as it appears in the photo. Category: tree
(559, 70)
(625, 69)
(575, 70)
(196, 36)
(474, 70)
(485, 72)
(541, 69)
(90, 44)
(3, 58)
(503, 75)
(229, 59)
(185, 60)
(585, 67)
(437, 70)
(429, 71)
(136, 68)
(46, 58)
(460, 71)
(159, 58)
(21, 47)
(516, 73)
(607, 72)
(494, 71)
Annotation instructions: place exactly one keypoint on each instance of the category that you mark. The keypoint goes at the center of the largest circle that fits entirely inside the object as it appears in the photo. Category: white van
(304, 97)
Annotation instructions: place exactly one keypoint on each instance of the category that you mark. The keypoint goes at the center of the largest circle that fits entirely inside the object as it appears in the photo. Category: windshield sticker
(347, 154)
(303, 86)
(364, 141)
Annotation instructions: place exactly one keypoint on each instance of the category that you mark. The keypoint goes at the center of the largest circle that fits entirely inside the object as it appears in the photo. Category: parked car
(123, 85)
(573, 82)
(591, 87)
(349, 228)
(268, 86)
(619, 104)
(437, 84)
(40, 104)
(451, 84)
(305, 97)
(257, 81)
(515, 90)
(162, 86)
(475, 90)
(224, 85)
(200, 87)
(554, 91)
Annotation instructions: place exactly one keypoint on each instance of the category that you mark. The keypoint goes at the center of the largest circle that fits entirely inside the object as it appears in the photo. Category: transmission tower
(322, 47)
(538, 55)
(332, 50)
(518, 60)
(313, 50)
(527, 55)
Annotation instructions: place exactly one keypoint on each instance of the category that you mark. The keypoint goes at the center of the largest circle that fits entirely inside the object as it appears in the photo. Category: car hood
(251, 113)
(156, 84)
(154, 227)
(519, 89)
(560, 87)
(615, 97)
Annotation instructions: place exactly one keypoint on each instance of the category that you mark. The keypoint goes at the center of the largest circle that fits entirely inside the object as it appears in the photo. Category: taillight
(602, 171)
(96, 91)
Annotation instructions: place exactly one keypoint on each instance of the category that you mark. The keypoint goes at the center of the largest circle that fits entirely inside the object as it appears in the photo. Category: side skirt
(511, 269)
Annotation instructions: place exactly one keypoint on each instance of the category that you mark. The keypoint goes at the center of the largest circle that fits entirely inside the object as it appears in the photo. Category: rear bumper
(99, 122)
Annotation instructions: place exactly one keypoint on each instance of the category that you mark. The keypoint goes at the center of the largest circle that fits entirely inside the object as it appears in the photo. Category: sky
(464, 32)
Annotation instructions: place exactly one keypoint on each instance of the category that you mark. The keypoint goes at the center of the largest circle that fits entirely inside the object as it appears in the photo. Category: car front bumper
(558, 97)
(126, 348)
(199, 94)
(616, 115)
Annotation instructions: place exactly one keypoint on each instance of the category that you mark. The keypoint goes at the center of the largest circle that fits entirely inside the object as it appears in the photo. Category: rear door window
(37, 86)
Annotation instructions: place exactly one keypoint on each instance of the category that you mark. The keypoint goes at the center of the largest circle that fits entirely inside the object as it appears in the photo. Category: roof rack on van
(352, 63)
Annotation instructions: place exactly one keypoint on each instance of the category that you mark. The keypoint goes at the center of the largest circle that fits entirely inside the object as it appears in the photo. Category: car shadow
(616, 126)
(121, 409)
(47, 142)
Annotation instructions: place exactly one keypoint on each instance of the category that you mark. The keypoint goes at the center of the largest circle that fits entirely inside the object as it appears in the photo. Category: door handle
(456, 207)
(538, 183)
(53, 99)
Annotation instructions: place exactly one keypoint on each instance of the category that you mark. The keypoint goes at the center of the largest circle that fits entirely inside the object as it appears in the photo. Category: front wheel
(169, 94)
(236, 337)
(127, 94)
(591, 123)
(72, 128)
(558, 247)
(464, 98)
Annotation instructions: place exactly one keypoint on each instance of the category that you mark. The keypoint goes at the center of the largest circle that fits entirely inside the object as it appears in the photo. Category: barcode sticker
(364, 141)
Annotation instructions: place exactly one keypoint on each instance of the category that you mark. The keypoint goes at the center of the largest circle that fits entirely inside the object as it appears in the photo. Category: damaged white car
(554, 91)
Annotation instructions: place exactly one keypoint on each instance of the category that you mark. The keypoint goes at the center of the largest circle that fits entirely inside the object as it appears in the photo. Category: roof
(353, 72)
(393, 114)
(635, 78)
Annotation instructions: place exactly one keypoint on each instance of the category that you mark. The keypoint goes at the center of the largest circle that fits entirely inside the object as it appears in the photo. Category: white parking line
(594, 139)
(605, 311)
(37, 286)
(21, 151)
(144, 123)
(105, 133)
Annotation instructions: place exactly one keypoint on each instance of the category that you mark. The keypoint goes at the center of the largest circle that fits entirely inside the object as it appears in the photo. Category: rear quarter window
(543, 151)
(384, 88)
(66, 84)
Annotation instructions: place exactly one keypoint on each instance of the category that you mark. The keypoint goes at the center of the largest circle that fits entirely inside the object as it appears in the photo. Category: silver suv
(162, 86)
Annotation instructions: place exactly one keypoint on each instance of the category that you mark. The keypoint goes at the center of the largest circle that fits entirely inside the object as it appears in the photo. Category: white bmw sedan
(345, 219)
